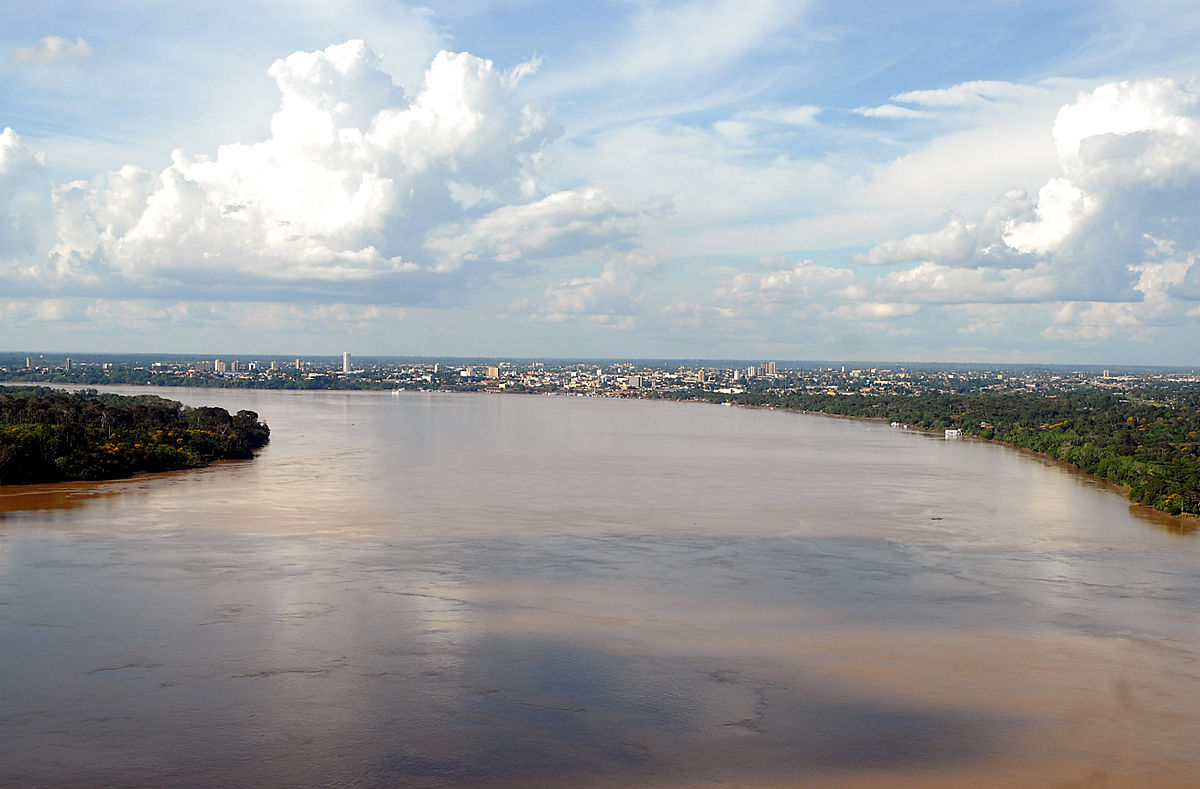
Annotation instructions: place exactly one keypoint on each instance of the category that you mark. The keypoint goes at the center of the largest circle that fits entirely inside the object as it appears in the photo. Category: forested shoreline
(49, 435)
(1146, 441)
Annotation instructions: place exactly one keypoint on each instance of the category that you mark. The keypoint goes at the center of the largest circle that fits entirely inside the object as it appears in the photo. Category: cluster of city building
(608, 378)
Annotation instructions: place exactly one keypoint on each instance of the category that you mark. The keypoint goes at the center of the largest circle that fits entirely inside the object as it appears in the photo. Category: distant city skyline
(933, 181)
(745, 368)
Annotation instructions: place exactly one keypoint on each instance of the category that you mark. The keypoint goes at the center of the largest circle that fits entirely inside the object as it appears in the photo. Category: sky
(993, 181)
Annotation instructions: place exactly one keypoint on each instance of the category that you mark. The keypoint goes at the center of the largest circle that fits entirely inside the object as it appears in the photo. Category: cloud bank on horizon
(691, 181)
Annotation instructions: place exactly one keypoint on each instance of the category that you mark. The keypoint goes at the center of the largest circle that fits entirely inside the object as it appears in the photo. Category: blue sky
(988, 181)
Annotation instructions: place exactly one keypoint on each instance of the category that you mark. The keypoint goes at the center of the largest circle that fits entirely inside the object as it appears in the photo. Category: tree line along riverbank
(1147, 441)
(48, 435)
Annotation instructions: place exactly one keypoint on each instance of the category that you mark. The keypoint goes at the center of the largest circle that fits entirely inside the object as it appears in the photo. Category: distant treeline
(47, 435)
(1146, 441)
(277, 379)
(287, 379)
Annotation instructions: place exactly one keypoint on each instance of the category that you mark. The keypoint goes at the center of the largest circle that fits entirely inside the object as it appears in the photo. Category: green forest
(48, 435)
(1146, 441)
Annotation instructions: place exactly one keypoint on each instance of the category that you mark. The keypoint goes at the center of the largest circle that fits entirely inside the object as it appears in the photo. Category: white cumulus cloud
(1128, 196)
(612, 297)
(1105, 254)
(19, 167)
(52, 50)
(751, 292)
(557, 225)
(961, 243)
(356, 190)
(875, 311)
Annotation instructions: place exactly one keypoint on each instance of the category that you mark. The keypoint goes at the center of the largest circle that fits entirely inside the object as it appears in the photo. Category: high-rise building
(67, 364)
(220, 366)
(493, 372)
(345, 361)
(767, 368)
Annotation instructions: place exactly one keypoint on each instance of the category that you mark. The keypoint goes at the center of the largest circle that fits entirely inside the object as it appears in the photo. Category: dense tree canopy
(48, 435)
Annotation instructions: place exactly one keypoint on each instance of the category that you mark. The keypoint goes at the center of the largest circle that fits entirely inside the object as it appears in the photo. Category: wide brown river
(516, 591)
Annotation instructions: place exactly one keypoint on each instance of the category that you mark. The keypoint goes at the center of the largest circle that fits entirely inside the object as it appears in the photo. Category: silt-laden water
(468, 590)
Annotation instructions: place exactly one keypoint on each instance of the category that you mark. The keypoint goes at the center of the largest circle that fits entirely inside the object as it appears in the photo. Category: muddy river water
(481, 590)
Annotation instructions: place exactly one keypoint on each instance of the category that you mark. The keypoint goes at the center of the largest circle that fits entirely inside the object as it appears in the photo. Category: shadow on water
(543, 712)
(244, 662)
(176, 657)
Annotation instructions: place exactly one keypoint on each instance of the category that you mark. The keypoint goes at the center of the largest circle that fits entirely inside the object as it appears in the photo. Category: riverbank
(1172, 488)
(1185, 523)
(48, 435)
(1147, 450)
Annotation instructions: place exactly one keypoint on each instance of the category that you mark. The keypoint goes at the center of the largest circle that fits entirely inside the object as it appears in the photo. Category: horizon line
(715, 361)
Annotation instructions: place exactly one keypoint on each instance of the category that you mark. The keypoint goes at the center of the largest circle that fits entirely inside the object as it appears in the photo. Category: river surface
(440, 590)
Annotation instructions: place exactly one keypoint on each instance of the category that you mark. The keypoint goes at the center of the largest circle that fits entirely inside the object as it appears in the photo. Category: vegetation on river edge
(48, 435)
(1147, 441)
